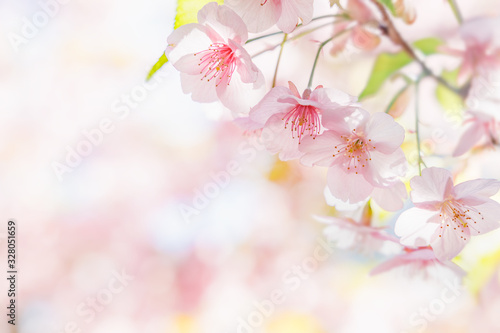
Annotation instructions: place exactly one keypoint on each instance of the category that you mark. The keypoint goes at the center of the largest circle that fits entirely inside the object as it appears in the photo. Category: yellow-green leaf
(386, 65)
(162, 61)
(429, 45)
(389, 63)
(451, 102)
(389, 5)
(187, 11)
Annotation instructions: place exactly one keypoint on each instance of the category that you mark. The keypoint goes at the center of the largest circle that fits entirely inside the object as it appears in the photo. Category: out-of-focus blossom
(480, 54)
(486, 314)
(262, 14)
(355, 29)
(405, 9)
(212, 61)
(361, 236)
(483, 129)
(364, 158)
(291, 117)
(418, 261)
(445, 216)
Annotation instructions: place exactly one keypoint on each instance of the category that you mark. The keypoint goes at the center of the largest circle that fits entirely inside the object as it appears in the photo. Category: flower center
(355, 150)
(303, 119)
(217, 62)
(456, 215)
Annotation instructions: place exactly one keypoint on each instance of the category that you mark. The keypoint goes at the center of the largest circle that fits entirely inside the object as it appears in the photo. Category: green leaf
(187, 11)
(451, 102)
(389, 63)
(162, 61)
(429, 45)
(386, 65)
(389, 5)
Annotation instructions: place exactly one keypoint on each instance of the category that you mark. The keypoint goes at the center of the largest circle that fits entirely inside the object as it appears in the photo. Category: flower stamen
(217, 62)
(303, 118)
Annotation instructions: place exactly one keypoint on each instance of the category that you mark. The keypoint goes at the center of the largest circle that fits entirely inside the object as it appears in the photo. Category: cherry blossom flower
(480, 55)
(349, 234)
(291, 117)
(418, 261)
(356, 28)
(260, 15)
(483, 129)
(212, 61)
(364, 158)
(445, 216)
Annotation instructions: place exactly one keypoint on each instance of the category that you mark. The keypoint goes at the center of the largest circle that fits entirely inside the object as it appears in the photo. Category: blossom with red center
(212, 61)
(445, 216)
(290, 117)
(419, 261)
(483, 128)
(260, 15)
(364, 158)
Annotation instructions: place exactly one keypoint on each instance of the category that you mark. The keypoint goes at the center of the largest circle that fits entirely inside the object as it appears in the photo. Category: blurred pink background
(106, 243)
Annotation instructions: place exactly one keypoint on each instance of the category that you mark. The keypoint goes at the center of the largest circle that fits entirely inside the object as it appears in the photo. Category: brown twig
(393, 34)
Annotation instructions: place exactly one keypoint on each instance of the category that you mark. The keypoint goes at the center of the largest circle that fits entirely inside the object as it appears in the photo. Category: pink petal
(294, 89)
(414, 228)
(359, 11)
(423, 255)
(469, 139)
(201, 90)
(449, 244)
(224, 21)
(238, 96)
(487, 221)
(356, 120)
(248, 71)
(291, 11)
(187, 39)
(281, 140)
(477, 187)
(257, 18)
(333, 117)
(348, 187)
(270, 106)
(189, 64)
(389, 265)
(340, 205)
(363, 39)
(291, 99)
(431, 188)
(390, 198)
(466, 71)
(384, 169)
(386, 134)
(319, 151)
(339, 43)
(329, 95)
(247, 124)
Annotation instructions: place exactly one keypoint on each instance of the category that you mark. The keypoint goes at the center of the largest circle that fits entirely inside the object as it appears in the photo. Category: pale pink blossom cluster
(329, 128)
